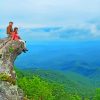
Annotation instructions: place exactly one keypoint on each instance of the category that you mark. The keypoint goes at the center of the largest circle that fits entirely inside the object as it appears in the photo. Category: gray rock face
(10, 92)
(9, 50)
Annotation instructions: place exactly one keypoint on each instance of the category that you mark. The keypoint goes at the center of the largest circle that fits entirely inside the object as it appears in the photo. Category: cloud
(48, 12)
(79, 32)
(86, 31)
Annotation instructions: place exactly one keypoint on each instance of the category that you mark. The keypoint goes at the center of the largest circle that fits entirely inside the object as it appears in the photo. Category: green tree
(97, 95)
(36, 88)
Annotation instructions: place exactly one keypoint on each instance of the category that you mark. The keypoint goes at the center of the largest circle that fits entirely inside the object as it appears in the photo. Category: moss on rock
(5, 77)
(11, 49)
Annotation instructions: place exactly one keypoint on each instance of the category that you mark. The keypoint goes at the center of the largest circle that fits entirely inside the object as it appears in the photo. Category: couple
(13, 34)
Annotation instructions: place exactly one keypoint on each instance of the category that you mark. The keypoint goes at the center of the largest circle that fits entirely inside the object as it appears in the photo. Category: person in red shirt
(16, 37)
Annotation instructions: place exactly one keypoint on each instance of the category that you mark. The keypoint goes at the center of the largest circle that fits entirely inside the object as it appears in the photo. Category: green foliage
(97, 95)
(5, 77)
(60, 94)
(73, 83)
(11, 49)
(38, 86)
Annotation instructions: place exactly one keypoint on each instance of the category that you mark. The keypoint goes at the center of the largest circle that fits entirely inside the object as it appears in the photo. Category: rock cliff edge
(9, 50)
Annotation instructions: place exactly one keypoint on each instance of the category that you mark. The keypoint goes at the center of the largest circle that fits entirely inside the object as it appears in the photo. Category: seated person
(16, 37)
(9, 29)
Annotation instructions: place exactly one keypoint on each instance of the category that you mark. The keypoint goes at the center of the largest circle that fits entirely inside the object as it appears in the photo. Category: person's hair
(16, 28)
(10, 22)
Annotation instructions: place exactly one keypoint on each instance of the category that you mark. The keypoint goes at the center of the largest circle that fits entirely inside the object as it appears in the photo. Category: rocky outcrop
(9, 91)
(9, 50)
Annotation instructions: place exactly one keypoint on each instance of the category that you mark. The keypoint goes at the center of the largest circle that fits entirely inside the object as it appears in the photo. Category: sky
(39, 13)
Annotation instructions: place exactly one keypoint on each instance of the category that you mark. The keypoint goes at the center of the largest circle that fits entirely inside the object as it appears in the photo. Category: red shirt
(15, 36)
